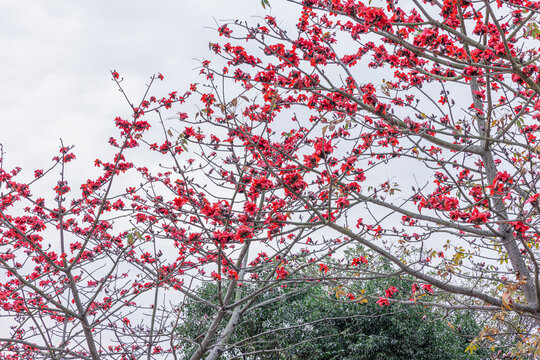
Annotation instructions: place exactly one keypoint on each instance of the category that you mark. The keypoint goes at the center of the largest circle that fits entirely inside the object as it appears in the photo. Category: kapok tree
(74, 264)
(102, 269)
(410, 132)
(409, 128)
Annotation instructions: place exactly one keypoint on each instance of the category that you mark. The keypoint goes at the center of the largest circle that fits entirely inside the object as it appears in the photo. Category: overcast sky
(56, 56)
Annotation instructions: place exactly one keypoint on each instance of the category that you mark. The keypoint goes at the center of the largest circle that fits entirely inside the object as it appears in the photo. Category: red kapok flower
(383, 302)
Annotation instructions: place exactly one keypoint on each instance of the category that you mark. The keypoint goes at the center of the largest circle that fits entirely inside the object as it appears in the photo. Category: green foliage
(311, 324)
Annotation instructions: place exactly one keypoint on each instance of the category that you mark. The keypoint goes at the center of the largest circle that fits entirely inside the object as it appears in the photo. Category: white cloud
(56, 57)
